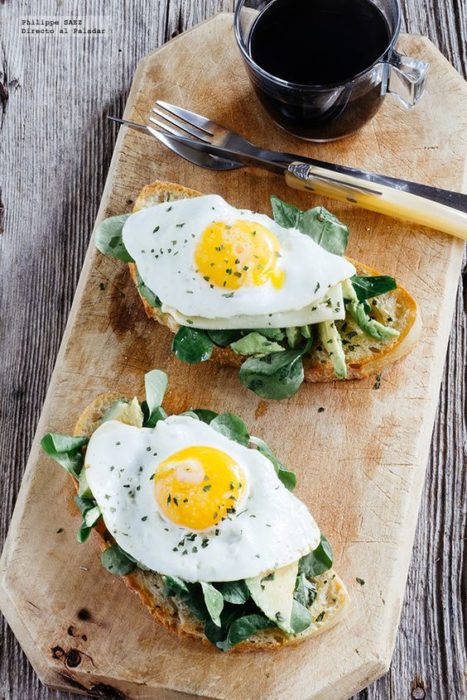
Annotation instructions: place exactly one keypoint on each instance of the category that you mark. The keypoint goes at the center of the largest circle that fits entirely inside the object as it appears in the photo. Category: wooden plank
(20, 368)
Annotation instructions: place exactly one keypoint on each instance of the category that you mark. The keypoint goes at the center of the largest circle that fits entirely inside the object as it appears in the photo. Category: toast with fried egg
(352, 350)
(329, 596)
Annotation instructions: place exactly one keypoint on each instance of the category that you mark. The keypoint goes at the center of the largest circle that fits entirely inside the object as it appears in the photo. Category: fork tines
(180, 122)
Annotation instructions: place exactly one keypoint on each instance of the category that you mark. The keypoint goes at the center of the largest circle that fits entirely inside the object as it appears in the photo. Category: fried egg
(184, 500)
(215, 266)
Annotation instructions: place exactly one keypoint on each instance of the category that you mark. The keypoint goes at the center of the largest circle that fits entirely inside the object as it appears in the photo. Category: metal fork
(204, 160)
(181, 122)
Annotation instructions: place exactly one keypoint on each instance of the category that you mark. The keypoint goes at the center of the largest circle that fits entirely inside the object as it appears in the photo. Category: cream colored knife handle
(379, 198)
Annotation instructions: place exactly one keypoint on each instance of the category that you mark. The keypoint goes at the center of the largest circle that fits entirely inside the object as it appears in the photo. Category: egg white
(272, 528)
(162, 240)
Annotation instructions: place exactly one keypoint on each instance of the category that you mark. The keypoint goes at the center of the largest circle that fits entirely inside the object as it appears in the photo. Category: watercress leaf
(275, 376)
(155, 384)
(196, 603)
(150, 420)
(190, 414)
(192, 345)
(71, 462)
(84, 504)
(147, 293)
(294, 336)
(255, 344)
(300, 619)
(83, 533)
(318, 223)
(372, 286)
(325, 229)
(109, 238)
(191, 594)
(273, 380)
(284, 214)
(65, 450)
(224, 338)
(243, 628)
(53, 443)
(117, 562)
(318, 561)
(229, 614)
(205, 414)
(235, 592)
(174, 586)
(287, 476)
(214, 602)
(232, 427)
(92, 516)
(214, 633)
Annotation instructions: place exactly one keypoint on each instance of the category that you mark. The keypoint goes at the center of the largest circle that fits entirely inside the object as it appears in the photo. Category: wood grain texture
(50, 204)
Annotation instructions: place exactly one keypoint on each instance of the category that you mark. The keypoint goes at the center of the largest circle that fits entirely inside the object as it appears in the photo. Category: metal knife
(436, 208)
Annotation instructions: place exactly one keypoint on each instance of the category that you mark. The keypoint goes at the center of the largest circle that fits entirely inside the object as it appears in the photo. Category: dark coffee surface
(318, 42)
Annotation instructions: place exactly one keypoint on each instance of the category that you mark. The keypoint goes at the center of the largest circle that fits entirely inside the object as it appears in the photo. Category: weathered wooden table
(55, 148)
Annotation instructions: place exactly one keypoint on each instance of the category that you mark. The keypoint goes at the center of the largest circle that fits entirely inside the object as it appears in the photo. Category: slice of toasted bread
(365, 356)
(173, 614)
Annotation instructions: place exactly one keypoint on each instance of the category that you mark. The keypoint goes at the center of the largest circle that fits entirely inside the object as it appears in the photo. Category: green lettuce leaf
(287, 476)
(145, 292)
(206, 415)
(242, 628)
(318, 561)
(372, 286)
(235, 592)
(318, 223)
(300, 619)
(214, 602)
(275, 376)
(109, 238)
(192, 345)
(65, 450)
(232, 427)
(117, 562)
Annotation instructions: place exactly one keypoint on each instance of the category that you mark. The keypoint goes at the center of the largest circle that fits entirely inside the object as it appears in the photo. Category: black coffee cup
(322, 68)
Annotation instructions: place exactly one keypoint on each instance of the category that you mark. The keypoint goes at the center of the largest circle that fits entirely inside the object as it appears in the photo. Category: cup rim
(315, 86)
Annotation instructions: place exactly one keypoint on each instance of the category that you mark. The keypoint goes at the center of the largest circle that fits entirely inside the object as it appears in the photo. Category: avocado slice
(129, 413)
(273, 594)
(332, 344)
(369, 326)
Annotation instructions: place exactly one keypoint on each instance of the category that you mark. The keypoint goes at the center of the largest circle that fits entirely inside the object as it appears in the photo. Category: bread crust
(173, 614)
(317, 367)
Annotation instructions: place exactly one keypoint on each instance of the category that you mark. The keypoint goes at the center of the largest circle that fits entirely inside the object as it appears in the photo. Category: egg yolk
(198, 486)
(244, 253)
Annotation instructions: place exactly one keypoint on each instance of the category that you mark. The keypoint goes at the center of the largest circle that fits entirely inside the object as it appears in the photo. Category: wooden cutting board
(360, 462)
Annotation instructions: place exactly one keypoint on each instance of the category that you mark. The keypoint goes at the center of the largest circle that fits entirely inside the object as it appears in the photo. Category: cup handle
(405, 78)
